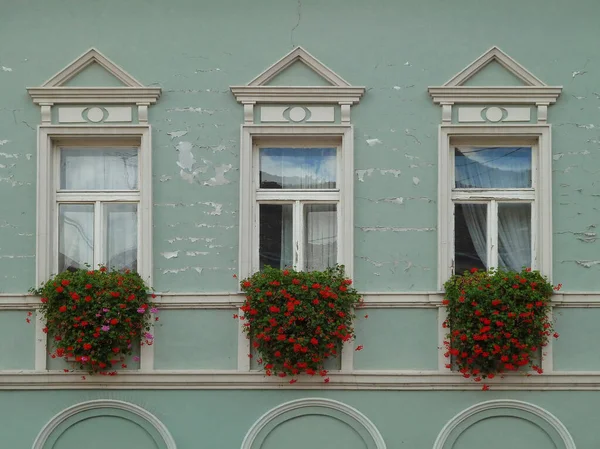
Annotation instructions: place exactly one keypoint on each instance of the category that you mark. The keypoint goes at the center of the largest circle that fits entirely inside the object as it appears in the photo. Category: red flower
(274, 309)
(65, 282)
(62, 309)
(87, 346)
(473, 270)
(246, 284)
(445, 302)
(88, 286)
(314, 341)
(44, 300)
(485, 387)
(114, 321)
(60, 289)
(296, 281)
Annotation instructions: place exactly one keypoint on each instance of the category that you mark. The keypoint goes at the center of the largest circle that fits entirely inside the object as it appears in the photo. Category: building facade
(196, 142)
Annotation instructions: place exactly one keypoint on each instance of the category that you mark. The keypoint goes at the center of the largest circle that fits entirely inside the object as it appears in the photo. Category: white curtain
(99, 168)
(500, 168)
(121, 235)
(75, 235)
(320, 236)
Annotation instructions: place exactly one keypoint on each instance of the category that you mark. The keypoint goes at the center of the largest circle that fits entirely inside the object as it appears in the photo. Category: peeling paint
(2, 142)
(165, 178)
(190, 239)
(408, 133)
(559, 156)
(219, 178)
(218, 208)
(197, 253)
(190, 109)
(170, 254)
(361, 174)
(416, 180)
(6, 69)
(396, 173)
(397, 200)
(373, 142)
(585, 263)
(177, 134)
(11, 256)
(393, 229)
(204, 225)
(181, 270)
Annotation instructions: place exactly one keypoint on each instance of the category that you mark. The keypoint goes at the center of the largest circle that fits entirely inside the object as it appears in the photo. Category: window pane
(75, 236)
(470, 237)
(121, 225)
(99, 168)
(320, 236)
(297, 168)
(514, 235)
(499, 168)
(276, 235)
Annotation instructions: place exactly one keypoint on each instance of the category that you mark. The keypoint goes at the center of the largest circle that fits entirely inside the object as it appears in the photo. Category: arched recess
(69, 417)
(538, 416)
(287, 411)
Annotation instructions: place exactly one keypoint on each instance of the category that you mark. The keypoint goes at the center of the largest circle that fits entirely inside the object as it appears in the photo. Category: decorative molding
(372, 300)
(94, 114)
(257, 90)
(297, 114)
(51, 426)
(53, 91)
(501, 407)
(393, 380)
(279, 412)
(542, 200)
(533, 91)
(494, 114)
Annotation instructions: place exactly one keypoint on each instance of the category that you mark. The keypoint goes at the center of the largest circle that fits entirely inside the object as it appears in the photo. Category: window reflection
(298, 168)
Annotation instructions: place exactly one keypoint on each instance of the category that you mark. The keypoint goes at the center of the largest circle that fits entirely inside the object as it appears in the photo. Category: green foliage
(498, 321)
(95, 317)
(297, 319)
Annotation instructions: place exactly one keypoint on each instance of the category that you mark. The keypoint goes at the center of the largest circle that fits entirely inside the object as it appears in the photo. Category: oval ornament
(494, 114)
(297, 114)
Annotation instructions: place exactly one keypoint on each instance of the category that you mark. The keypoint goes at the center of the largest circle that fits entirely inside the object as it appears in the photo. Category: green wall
(394, 48)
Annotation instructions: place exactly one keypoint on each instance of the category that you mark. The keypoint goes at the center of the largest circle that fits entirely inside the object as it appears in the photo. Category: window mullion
(98, 235)
(298, 226)
(493, 234)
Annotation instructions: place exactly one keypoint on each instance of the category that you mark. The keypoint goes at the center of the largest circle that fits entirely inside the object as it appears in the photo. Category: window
(493, 194)
(97, 200)
(94, 199)
(298, 203)
(495, 198)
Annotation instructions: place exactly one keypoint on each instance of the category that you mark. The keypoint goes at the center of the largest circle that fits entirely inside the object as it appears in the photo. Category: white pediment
(532, 91)
(57, 90)
(335, 90)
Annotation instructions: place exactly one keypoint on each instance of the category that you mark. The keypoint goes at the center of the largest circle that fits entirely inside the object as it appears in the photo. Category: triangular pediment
(93, 78)
(290, 62)
(493, 61)
(298, 77)
(88, 68)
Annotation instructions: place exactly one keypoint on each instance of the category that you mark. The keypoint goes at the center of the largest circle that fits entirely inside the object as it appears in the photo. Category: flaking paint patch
(181, 270)
(585, 263)
(197, 253)
(2, 142)
(12, 256)
(394, 172)
(218, 208)
(176, 134)
(559, 156)
(362, 173)
(373, 142)
(170, 254)
(165, 178)
(190, 109)
(189, 239)
(393, 229)
(219, 178)
(6, 69)
(416, 180)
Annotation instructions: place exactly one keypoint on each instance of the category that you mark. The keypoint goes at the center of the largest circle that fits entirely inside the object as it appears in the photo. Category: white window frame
(50, 139)
(540, 196)
(251, 196)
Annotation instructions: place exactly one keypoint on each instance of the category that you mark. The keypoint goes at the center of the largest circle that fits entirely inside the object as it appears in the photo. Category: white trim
(244, 380)
(542, 178)
(455, 424)
(534, 91)
(67, 413)
(46, 191)
(495, 54)
(290, 406)
(372, 300)
(89, 57)
(248, 240)
(299, 54)
(256, 91)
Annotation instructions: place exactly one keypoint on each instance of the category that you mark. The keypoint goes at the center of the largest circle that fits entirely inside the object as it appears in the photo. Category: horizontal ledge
(495, 94)
(368, 380)
(78, 95)
(286, 94)
(234, 300)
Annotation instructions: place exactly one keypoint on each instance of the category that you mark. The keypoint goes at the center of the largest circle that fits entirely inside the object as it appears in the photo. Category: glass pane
(320, 236)
(514, 236)
(298, 168)
(98, 168)
(75, 236)
(493, 168)
(276, 235)
(121, 225)
(470, 237)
